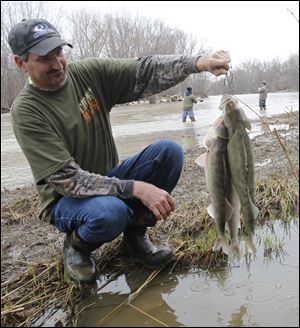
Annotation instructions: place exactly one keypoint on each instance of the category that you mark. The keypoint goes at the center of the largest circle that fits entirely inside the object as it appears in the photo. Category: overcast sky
(259, 30)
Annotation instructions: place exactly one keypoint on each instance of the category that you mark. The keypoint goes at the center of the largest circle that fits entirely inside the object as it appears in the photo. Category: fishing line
(228, 86)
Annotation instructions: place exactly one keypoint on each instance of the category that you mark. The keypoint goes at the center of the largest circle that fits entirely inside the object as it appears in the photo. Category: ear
(20, 63)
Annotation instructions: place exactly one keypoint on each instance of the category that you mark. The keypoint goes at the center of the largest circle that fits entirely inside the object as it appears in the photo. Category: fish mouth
(228, 104)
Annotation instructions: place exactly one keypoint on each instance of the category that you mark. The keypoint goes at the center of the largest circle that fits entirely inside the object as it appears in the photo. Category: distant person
(263, 93)
(188, 101)
(61, 120)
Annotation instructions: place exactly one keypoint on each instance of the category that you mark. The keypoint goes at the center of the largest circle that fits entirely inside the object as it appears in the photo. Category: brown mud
(25, 240)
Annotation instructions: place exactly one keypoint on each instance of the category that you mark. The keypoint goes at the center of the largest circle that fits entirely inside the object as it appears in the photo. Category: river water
(136, 126)
(260, 291)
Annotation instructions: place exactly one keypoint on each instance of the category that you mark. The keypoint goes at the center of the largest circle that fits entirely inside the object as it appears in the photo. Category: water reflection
(150, 310)
(262, 291)
(236, 319)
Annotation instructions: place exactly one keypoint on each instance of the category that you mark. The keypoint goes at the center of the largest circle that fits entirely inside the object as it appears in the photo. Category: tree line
(124, 35)
(247, 77)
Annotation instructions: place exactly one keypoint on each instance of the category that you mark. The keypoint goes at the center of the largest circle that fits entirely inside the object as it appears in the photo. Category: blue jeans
(101, 219)
(262, 103)
(189, 113)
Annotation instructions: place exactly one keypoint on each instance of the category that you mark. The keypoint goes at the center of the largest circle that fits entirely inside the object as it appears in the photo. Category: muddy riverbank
(26, 242)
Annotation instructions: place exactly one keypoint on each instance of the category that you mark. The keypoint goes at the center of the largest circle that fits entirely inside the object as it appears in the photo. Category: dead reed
(191, 232)
(42, 288)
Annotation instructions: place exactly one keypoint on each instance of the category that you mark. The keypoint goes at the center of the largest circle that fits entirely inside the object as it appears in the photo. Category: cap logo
(41, 29)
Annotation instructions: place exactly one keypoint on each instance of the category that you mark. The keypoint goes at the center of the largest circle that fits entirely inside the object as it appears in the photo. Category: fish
(224, 207)
(229, 175)
(240, 159)
(234, 222)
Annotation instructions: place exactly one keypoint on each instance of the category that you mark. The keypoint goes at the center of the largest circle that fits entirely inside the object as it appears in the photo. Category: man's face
(46, 72)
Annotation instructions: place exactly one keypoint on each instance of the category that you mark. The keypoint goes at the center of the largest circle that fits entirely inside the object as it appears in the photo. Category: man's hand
(217, 63)
(159, 201)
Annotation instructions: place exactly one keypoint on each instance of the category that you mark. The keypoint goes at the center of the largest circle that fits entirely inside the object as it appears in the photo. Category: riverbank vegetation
(34, 284)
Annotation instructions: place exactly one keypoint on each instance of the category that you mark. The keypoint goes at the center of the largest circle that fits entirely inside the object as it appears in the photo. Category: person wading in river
(61, 119)
(188, 102)
(263, 94)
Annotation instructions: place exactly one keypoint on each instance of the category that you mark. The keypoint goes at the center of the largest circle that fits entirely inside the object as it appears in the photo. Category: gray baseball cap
(36, 36)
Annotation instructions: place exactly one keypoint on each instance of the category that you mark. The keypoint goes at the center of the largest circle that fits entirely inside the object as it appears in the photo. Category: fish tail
(229, 210)
(249, 245)
(235, 250)
(250, 215)
(221, 242)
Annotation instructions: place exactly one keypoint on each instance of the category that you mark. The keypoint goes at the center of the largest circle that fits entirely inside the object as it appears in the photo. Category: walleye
(229, 173)
(240, 159)
(225, 206)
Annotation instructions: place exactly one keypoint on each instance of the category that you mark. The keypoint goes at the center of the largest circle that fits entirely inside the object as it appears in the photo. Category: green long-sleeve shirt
(188, 102)
(72, 124)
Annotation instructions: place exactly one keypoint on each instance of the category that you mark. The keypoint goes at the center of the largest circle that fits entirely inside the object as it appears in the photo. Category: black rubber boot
(137, 246)
(78, 263)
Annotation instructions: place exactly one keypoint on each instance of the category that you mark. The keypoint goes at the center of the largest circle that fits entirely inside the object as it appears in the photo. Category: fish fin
(210, 211)
(249, 245)
(235, 250)
(221, 242)
(249, 223)
(201, 160)
(250, 215)
(229, 209)
(209, 139)
(255, 211)
(245, 120)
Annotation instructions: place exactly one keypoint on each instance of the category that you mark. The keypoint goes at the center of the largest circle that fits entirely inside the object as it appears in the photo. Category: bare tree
(125, 36)
(280, 76)
(89, 31)
(131, 36)
(289, 79)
